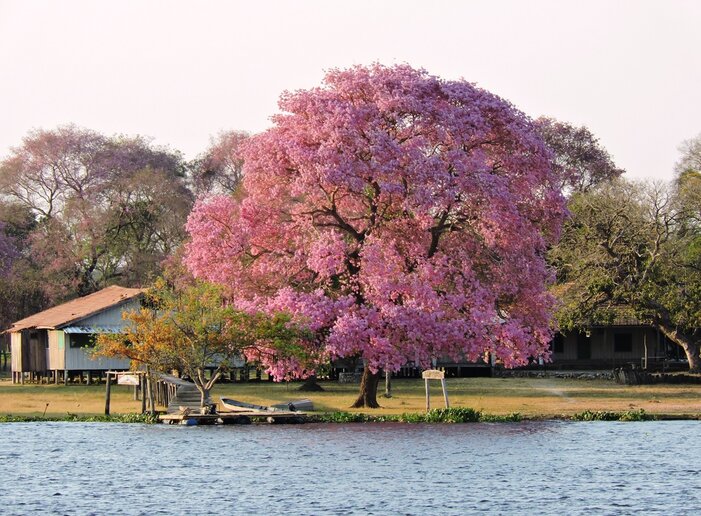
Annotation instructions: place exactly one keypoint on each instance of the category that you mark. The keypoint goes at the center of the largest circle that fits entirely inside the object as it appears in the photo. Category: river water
(506, 468)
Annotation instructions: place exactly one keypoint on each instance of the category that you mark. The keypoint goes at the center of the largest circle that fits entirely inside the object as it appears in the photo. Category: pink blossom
(400, 216)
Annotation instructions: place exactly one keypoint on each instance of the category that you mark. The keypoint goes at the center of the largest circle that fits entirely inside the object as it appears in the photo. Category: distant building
(624, 340)
(56, 344)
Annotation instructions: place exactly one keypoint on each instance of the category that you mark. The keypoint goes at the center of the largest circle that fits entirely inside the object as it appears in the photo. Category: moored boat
(241, 406)
(295, 406)
(292, 406)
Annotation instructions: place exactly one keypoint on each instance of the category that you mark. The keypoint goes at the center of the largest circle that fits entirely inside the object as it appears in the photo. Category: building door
(583, 346)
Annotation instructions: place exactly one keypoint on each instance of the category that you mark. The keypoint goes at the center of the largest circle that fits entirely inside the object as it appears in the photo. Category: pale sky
(182, 71)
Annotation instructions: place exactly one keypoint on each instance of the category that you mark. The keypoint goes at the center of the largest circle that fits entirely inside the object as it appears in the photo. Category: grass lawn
(531, 397)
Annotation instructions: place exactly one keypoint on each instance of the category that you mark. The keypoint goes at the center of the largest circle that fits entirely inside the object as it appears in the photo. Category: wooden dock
(234, 418)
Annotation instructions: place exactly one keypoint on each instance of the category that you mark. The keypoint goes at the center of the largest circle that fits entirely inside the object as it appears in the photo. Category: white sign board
(433, 374)
(128, 379)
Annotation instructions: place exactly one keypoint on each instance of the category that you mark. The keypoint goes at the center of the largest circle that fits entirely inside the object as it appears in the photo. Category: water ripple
(540, 467)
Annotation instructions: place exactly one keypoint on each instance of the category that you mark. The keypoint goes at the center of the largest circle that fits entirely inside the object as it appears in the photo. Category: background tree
(578, 157)
(690, 160)
(8, 251)
(636, 246)
(402, 216)
(20, 284)
(106, 208)
(195, 329)
(219, 170)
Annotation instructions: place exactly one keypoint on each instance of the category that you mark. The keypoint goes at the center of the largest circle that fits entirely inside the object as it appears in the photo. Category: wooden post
(388, 384)
(428, 396)
(142, 387)
(645, 346)
(89, 377)
(108, 384)
(445, 393)
(149, 389)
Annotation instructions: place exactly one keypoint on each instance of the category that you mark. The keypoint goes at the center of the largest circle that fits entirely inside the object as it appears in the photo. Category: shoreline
(435, 416)
(493, 398)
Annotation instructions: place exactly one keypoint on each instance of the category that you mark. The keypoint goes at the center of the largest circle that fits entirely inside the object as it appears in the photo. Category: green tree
(636, 246)
(690, 160)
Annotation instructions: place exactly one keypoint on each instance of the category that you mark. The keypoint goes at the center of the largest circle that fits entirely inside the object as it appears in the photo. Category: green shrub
(453, 415)
(115, 418)
(412, 417)
(444, 415)
(629, 415)
(514, 417)
(635, 415)
(341, 417)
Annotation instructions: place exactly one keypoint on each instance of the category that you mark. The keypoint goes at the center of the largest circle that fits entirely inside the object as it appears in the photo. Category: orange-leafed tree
(194, 328)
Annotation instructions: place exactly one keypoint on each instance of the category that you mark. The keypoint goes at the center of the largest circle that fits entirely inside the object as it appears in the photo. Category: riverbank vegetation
(530, 398)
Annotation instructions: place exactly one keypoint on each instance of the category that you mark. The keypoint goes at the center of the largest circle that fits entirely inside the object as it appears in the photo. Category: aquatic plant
(602, 415)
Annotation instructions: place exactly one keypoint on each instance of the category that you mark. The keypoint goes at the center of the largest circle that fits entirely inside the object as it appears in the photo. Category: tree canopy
(404, 217)
(637, 247)
(105, 209)
(579, 160)
(690, 160)
(218, 170)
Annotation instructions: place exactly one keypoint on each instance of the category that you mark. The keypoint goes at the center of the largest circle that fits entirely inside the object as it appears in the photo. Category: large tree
(402, 216)
(635, 246)
(107, 208)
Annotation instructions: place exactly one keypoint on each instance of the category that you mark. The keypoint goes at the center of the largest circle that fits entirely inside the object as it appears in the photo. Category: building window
(82, 340)
(557, 345)
(623, 343)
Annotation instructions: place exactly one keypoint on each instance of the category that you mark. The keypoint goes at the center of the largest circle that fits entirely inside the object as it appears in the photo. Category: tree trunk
(368, 390)
(310, 385)
(204, 394)
(691, 348)
(205, 386)
(388, 384)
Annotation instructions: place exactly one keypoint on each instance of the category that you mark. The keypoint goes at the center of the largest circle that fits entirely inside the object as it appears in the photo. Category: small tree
(195, 329)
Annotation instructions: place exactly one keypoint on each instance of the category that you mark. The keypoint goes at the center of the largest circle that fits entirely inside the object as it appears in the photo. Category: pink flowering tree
(219, 169)
(579, 160)
(402, 216)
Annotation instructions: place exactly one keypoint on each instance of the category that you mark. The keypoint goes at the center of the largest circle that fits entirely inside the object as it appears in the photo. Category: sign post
(435, 374)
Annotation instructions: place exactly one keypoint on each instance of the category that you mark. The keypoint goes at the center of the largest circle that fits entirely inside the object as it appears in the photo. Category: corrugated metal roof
(93, 329)
(66, 313)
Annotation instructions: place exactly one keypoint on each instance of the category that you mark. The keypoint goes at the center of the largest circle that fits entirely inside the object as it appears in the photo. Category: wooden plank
(433, 374)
